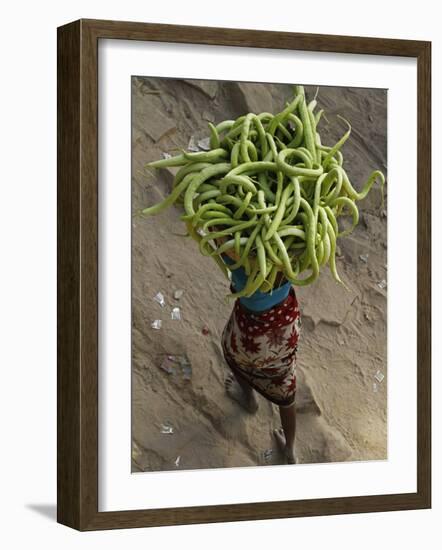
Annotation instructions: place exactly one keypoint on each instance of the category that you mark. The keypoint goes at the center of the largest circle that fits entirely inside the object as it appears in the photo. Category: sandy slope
(341, 416)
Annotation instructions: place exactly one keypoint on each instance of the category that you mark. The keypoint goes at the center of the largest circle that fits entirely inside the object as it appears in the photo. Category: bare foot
(246, 399)
(289, 452)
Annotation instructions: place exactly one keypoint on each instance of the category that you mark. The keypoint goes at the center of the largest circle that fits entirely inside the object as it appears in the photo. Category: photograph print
(259, 274)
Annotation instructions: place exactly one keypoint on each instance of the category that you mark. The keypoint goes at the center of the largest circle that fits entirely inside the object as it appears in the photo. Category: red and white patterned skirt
(260, 348)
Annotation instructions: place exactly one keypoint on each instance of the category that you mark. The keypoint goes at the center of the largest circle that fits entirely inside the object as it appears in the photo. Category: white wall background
(28, 271)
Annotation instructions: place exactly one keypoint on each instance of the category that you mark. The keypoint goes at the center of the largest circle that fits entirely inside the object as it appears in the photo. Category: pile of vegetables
(268, 194)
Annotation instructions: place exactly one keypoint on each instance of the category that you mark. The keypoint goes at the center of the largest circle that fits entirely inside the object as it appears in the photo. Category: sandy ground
(342, 408)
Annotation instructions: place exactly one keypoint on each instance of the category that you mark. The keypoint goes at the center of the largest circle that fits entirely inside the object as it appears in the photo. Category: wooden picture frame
(77, 410)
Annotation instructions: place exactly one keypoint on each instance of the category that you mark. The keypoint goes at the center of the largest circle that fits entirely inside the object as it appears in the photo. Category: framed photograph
(244, 287)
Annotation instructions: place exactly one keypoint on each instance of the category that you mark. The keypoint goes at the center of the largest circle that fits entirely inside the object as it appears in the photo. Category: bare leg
(286, 435)
(241, 392)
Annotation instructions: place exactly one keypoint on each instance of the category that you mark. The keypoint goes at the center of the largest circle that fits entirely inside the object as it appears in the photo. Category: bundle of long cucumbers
(268, 194)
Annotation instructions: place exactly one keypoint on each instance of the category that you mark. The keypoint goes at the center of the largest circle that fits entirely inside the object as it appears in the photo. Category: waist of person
(258, 301)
